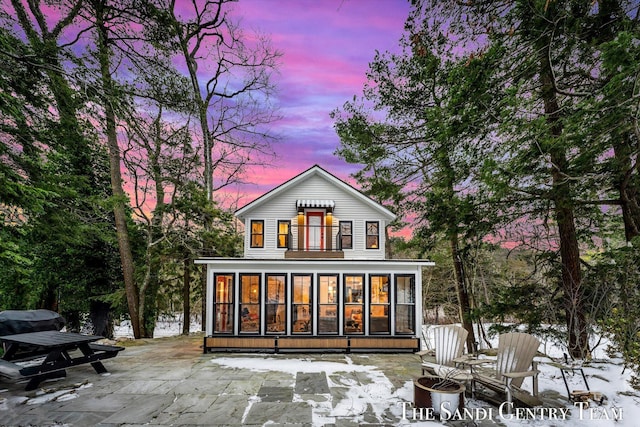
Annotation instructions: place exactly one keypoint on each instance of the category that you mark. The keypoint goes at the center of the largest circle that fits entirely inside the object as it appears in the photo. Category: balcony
(308, 241)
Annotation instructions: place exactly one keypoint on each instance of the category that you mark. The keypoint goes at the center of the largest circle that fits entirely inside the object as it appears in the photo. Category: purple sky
(327, 46)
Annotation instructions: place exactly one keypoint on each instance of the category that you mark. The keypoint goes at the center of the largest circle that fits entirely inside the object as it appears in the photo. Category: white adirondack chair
(513, 364)
(449, 343)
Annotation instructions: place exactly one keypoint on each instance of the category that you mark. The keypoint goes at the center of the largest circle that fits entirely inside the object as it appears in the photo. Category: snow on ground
(379, 392)
(603, 376)
(166, 326)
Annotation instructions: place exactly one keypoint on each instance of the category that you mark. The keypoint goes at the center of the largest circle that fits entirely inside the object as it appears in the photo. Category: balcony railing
(309, 240)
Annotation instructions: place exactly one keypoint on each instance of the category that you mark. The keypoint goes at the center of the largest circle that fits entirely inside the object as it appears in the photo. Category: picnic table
(56, 347)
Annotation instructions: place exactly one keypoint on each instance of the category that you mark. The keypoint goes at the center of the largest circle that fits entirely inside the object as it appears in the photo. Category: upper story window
(373, 234)
(283, 234)
(346, 234)
(257, 233)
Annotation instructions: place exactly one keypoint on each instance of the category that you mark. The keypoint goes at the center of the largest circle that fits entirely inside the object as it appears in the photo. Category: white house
(314, 275)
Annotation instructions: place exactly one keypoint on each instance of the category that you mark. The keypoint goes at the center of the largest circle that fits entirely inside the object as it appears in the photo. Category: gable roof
(315, 170)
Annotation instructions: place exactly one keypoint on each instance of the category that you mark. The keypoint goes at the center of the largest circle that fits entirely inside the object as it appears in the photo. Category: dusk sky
(327, 46)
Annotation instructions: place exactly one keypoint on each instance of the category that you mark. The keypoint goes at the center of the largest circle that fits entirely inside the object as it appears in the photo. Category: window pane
(405, 293)
(301, 307)
(224, 318)
(405, 319)
(353, 286)
(275, 304)
(328, 289)
(379, 289)
(379, 318)
(353, 319)
(372, 228)
(345, 227)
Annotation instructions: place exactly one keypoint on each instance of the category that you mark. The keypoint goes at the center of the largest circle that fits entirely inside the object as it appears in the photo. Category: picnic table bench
(56, 347)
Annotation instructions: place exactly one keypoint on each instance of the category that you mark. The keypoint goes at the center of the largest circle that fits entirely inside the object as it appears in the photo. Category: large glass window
(379, 307)
(346, 235)
(373, 234)
(301, 304)
(283, 234)
(250, 303)
(328, 304)
(275, 303)
(223, 303)
(257, 234)
(353, 304)
(405, 304)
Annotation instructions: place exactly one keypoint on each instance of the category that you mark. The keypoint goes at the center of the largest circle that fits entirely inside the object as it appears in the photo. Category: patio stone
(191, 403)
(145, 408)
(262, 413)
(275, 394)
(311, 383)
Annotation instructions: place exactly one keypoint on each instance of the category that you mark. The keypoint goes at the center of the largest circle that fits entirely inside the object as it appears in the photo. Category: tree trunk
(625, 182)
(186, 295)
(571, 276)
(625, 174)
(202, 104)
(464, 306)
(119, 197)
(147, 301)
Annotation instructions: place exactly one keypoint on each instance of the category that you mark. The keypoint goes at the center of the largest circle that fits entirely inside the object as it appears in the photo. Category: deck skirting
(311, 344)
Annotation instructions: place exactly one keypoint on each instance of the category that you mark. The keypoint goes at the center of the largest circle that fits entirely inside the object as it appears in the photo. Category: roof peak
(315, 169)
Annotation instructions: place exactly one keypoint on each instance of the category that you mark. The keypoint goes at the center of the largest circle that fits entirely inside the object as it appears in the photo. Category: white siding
(283, 207)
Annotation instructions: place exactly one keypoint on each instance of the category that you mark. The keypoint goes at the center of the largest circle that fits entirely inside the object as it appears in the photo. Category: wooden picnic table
(56, 346)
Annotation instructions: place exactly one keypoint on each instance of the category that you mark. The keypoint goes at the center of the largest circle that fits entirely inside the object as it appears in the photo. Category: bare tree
(232, 87)
(160, 160)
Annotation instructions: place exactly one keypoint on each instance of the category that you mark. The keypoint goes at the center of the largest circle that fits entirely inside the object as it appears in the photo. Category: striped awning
(308, 203)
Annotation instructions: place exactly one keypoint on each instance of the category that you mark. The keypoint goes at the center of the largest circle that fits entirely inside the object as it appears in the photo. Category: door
(315, 231)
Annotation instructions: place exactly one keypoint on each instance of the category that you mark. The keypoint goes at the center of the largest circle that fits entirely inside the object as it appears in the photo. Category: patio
(169, 381)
